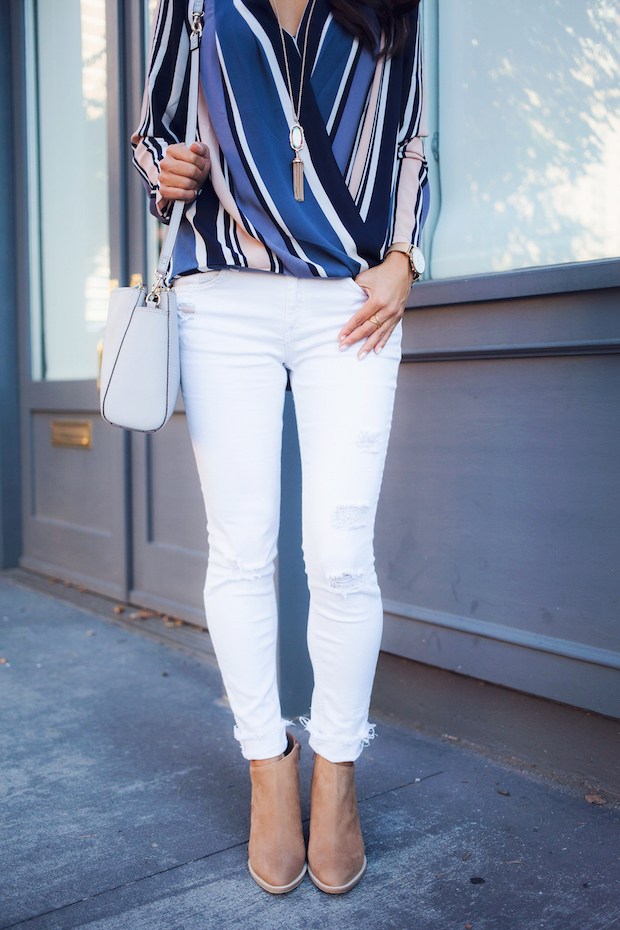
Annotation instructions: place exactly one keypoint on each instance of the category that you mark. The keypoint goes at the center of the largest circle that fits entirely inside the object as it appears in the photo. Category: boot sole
(278, 889)
(338, 889)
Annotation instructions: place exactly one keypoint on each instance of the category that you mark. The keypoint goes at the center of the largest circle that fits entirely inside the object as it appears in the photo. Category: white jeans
(239, 332)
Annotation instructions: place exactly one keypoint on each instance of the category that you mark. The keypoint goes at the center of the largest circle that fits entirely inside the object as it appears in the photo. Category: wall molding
(506, 634)
(511, 285)
(533, 350)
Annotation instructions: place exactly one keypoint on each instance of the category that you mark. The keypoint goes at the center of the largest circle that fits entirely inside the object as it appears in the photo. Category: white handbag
(140, 369)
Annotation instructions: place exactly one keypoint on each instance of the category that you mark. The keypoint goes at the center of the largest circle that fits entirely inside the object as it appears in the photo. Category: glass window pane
(70, 198)
(529, 134)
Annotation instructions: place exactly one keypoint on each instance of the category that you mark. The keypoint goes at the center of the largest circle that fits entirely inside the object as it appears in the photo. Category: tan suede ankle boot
(336, 859)
(277, 853)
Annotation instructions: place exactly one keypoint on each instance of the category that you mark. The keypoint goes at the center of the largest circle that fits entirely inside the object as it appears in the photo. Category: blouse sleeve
(164, 105)
(411, 195)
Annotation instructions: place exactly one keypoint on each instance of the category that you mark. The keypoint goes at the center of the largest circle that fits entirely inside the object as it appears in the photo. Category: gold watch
(416, 258)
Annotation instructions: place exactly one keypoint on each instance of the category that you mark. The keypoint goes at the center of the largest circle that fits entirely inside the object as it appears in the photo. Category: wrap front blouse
(363, 118)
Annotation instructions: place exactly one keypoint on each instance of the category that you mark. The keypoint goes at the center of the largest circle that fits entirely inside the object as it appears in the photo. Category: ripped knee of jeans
(369, 441)
(349, 516)
(345, 583)
(240, 570)
(353, 582)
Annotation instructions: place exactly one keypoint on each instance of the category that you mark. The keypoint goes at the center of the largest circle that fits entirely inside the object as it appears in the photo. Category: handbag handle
(190, 136)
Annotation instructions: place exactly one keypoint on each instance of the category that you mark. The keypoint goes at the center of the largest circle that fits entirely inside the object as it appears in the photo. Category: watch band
(406, 250)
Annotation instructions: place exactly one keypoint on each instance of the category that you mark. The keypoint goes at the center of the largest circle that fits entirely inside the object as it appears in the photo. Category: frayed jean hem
(266, 746)
(335, 749)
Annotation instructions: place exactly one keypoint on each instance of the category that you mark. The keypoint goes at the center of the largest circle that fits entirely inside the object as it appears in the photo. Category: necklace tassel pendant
(297, 140)
(298, 179)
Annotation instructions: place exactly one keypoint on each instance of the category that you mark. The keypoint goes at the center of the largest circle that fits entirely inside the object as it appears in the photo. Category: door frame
(127, 225)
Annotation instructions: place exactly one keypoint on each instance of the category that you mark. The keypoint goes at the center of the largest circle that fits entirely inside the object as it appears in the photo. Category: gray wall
(497, 536)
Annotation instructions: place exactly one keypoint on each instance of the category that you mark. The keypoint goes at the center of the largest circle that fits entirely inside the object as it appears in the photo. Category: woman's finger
(358, 319)
(180, 152)
(182, 181)
(360, 327)
(199, 148)
(176, 193)
(180, 169)
(377, 339)
(384, 336)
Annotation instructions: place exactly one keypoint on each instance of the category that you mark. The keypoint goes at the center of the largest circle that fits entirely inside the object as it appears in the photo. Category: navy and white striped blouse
(364, 167)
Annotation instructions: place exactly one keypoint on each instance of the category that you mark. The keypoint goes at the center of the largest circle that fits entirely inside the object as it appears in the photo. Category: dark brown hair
(392, 16)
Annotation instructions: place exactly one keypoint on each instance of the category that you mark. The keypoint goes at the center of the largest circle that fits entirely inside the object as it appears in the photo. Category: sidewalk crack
(135, 881)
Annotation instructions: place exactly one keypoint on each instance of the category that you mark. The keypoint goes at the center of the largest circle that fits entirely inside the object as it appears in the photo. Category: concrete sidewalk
(125, 805)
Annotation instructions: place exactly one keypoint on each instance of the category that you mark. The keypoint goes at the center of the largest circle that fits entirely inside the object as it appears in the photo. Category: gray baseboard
(572, 673)
(165, 605)
(62, 573)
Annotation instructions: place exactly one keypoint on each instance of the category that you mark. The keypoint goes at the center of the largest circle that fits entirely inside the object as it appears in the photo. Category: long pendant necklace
(296, 135)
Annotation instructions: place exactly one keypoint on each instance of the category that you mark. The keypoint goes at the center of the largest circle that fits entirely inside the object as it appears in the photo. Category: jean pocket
(200, 280)
(357, 288)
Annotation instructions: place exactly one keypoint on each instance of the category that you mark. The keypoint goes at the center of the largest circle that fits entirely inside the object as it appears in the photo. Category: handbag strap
(190, 136)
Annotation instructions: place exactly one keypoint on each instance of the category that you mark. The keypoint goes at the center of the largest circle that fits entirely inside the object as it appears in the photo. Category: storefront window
(529, 134)
(68, 181)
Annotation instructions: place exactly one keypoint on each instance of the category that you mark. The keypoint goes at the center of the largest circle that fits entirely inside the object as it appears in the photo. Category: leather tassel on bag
(298, 179)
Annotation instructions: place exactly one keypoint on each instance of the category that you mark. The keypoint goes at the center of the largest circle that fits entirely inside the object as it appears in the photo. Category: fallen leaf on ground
(467, 926)
(505, 793)
(119, 609)
(51, 581)
(83, 590)
(466, 856)
(91, 633)
(3, 661)
(67, 584)
(595, 799)
(447, 736)
(178, 623)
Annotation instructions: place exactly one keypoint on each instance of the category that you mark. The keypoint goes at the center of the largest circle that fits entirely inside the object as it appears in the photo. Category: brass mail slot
(72, 433)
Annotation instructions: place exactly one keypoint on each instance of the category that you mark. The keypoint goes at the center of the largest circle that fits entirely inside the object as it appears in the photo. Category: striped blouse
(364, 166)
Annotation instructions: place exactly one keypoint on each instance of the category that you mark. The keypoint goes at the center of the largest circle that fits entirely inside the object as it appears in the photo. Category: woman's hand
(388, 286)
(183, 171)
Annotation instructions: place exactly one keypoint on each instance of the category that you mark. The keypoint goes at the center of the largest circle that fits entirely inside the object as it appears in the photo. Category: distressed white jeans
(239, 333)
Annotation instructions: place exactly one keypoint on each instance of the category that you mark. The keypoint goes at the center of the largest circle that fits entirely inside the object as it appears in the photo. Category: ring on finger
(373, 319)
